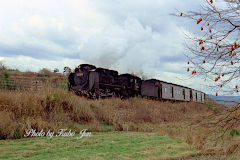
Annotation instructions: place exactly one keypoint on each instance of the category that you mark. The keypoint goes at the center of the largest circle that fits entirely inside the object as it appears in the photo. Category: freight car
(88, 80)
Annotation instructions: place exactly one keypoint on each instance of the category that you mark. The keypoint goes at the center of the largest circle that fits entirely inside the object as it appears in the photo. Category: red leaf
(199, 20)
(235, 45)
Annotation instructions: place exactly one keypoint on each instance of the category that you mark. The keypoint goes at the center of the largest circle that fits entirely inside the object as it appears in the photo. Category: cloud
(133, 46)
(33, 38)
(25, 63)
(47, 30)
(128, 36)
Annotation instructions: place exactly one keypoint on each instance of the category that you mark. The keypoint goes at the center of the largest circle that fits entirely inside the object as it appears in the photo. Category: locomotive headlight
(79, 74)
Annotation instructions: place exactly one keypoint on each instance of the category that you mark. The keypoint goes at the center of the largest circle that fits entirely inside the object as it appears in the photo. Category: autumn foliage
(215, 48)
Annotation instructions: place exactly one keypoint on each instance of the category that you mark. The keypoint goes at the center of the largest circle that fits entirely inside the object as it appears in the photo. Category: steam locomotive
(90, 81)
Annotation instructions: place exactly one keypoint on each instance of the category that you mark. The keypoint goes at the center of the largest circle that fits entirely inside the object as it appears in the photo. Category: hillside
(226, 100)
(31, 81)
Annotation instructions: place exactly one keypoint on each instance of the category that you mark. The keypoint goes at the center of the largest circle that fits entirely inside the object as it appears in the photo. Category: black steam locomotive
(87, 80)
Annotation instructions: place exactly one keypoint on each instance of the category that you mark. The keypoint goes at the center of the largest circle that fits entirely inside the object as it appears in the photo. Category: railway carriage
(163, 90)
(151, 88)
(175, 92)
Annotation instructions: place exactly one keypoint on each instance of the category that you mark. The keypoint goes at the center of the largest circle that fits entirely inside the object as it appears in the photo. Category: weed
(234, 132)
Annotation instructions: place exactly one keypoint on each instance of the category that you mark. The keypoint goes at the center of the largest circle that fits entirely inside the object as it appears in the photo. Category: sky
(134, 36)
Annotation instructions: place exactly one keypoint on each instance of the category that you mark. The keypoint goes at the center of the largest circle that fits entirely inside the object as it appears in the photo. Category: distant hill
(226, 100)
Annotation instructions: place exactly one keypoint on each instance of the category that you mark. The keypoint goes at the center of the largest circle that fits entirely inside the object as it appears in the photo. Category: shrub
(6, 82)
(45, 72)
(234, 132)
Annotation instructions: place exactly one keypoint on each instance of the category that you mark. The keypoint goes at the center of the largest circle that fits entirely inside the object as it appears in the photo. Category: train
(89, 81)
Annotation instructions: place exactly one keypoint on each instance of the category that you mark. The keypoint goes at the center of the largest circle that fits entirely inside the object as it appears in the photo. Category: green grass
(102, 127)
(101, 146)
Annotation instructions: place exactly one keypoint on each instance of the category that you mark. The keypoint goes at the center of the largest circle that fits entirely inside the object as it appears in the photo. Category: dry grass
(54, 108)
(209, 140)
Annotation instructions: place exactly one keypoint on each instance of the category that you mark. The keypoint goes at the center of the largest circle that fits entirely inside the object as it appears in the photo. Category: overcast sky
(125, 35)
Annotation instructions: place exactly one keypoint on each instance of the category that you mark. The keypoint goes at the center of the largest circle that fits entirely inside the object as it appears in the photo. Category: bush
(45, 72)
(6, 82)
(234, 132)
(2, 66)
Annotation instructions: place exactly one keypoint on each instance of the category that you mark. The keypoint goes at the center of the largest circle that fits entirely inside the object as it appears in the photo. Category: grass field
(101, 145)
